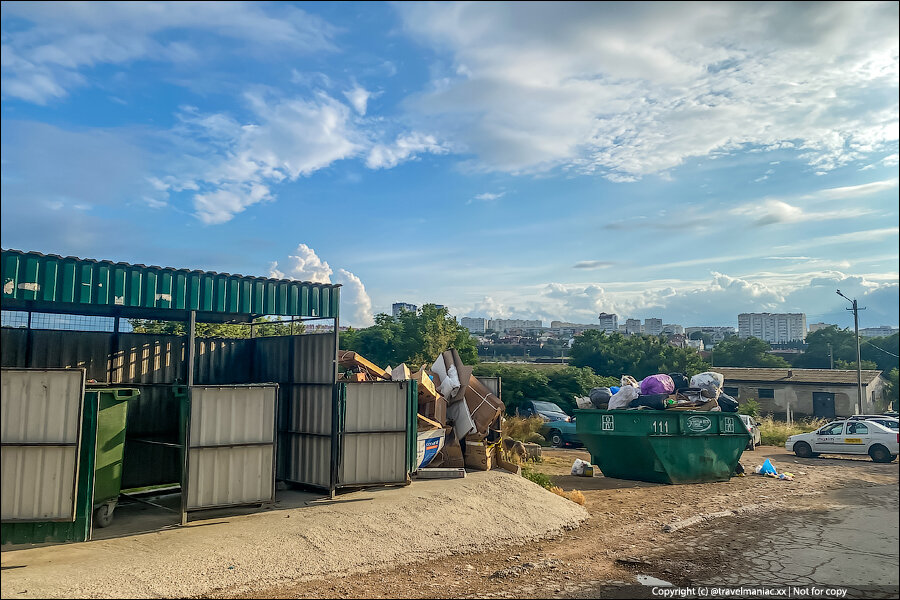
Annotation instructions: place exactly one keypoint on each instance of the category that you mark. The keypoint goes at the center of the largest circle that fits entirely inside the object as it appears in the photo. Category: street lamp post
(856, 309)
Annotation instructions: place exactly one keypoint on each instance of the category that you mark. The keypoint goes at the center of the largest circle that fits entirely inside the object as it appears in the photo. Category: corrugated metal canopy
(50, 283)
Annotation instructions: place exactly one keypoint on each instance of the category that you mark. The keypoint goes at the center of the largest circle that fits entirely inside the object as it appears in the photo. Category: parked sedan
(752, 427)
(848, 437)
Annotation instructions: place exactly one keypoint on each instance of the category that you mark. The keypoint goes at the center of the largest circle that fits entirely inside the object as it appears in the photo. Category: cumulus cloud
(631, 90)
(405, 147)
(358, 98)
(52, 42)
(235, 163)
(305, 265)
(489, 196)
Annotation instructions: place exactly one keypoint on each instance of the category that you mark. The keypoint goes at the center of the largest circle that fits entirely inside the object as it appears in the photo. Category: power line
(882, 349)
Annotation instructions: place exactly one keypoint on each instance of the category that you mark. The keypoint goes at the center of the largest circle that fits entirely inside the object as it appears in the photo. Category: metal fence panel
(41, 413)
(231, 446)
(374, 444)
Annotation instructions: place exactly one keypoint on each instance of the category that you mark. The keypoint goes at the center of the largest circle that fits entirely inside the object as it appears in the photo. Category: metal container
(663, 446)
(112, 420)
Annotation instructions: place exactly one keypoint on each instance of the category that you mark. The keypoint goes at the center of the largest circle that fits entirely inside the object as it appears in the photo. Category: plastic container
(663, 446)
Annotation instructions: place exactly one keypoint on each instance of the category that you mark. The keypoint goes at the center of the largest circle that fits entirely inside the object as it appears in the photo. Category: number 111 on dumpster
(660, 426)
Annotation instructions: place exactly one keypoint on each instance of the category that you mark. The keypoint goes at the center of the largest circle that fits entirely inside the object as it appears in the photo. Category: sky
(509, 160)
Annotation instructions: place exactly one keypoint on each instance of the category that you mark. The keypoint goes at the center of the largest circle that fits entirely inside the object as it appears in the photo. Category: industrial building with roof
(825, 393)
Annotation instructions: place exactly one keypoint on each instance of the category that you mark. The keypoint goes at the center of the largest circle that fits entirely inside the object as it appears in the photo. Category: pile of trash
(458, 417)
(674, 391)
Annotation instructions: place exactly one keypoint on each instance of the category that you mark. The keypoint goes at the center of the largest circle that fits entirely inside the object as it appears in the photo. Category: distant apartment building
(398, 307)
(653, 326)
(813, 327)
(633, 326)
(672, 329)
(717, 334)
(504, 325)
(775, 328)
(609, 322)
(563, 329)
(474, 324)
(883, 331)
(696, 345)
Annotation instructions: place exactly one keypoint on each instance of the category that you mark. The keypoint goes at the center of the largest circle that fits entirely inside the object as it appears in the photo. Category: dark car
(558, 429)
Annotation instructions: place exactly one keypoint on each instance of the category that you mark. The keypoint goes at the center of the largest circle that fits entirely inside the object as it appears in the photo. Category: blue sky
(681, 161)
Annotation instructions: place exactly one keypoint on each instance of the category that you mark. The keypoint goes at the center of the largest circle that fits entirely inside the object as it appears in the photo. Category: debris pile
(673, 391)
(458, 416)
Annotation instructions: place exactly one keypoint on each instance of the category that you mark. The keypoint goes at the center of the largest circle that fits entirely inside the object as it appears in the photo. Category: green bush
(750, 408)
(775, 433)
(537, 477)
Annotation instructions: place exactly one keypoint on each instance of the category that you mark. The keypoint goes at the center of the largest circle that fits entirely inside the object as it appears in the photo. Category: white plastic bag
(623, 397)
(710, 381)
(449, 384)
(579, 466)
(583, 402)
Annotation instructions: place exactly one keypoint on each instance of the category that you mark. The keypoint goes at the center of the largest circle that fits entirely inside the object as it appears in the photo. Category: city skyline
(549, 161)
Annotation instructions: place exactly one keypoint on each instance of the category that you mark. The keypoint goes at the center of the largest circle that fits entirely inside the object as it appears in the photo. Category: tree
(892, 388)
(413, 337)
(748, 352)
(637, 355)
(559, 385)
(706, 337)
(865, 365)
(265, 326)
(839, 342)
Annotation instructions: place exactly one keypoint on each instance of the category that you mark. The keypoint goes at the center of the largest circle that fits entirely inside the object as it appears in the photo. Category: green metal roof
(51, 283)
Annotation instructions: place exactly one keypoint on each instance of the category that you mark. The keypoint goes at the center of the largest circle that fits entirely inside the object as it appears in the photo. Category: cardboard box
(452, 456)
(436, 410)
(401, 373)
(479, 456)
(349, 359)
(426, 386)
(484, 407)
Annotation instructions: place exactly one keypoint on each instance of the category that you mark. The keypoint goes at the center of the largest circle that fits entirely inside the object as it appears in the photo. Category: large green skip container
(112, 420)
(663, 446)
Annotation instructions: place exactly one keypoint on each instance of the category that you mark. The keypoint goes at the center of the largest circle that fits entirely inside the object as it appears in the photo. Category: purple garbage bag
(657, 384)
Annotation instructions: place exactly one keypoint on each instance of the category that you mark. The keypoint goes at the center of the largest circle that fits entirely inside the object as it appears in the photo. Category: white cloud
(771, 212)
(44, 61)
(405, 147)
(234, 164)
(631, 90)
(305, 265)
(358, 98)
(488, 196)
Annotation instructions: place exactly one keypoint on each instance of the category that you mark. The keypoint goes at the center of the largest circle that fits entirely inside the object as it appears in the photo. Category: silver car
(753, 427)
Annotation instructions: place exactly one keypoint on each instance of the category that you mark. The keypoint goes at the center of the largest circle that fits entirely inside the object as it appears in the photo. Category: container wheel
(103, 514)
(556, 439)
(880, 454)
(803, 450)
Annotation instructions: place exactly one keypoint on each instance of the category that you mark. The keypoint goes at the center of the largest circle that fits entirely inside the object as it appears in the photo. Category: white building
(696, 345)
(653, 326)
(504, 325)
(633, 326)
(672, 329)
(474, 324)
(398, 307)
(817, 326)
(883, 331)
(563, 329)
(609, 322)
(775, 328)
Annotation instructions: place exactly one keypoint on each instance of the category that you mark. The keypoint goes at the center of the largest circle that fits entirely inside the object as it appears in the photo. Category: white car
(752, 427)
(848, 437)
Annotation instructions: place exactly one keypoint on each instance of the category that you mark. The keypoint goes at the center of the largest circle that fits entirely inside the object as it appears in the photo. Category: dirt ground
(624, 536)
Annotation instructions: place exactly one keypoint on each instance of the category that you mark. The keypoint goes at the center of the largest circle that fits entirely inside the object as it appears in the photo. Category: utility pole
(856, 309)
(830, 356)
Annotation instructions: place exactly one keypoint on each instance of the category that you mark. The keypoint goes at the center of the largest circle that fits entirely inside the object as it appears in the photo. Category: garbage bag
(767, 468)
(580, 466)
(727, 403)
(629, 380)
(657, 384)
(680, 380)
(710, 381)
(656, 401)
(623, 397)
(613, 389)
(583, 402)
(600, 393)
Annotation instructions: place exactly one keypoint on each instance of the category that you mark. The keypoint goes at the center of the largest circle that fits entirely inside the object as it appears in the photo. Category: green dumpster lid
(50, 283)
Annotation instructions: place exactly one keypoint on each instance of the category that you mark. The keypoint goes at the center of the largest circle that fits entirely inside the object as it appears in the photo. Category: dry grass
(775, 433)
(575, 495)
(524, 430)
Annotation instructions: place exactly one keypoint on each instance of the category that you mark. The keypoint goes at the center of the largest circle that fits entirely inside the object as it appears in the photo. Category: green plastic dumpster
(663, 446)
(112, 419)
